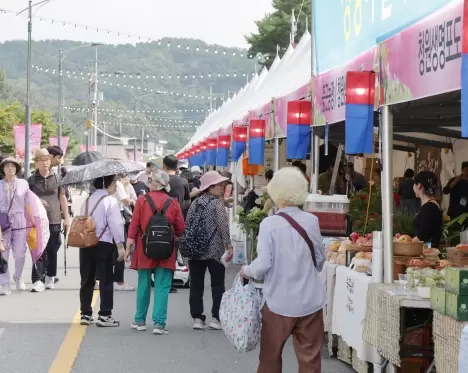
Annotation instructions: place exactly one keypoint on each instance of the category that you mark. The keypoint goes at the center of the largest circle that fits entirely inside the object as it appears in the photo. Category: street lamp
(135, 99)
(61, 56)
(27, 127)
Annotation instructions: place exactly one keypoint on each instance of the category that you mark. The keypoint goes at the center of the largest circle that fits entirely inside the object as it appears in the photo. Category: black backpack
(158, 240)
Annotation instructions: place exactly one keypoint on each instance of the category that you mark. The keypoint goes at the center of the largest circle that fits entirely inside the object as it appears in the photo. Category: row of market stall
(400, 100)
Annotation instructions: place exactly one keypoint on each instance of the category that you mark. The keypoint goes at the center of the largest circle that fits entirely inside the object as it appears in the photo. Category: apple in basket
(405, 239)
(360, 255)
(354, 236)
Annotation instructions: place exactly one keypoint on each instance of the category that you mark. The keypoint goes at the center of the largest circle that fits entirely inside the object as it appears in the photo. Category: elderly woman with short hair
(158, 184)
(290, 257)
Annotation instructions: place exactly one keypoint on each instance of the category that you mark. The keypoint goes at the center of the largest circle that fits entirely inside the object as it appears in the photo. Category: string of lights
(101, 110)
(134, 38)
(150, 125)
(75, 74)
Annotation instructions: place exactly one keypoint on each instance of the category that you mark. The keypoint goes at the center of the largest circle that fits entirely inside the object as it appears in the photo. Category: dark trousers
(197, 286)
(97, 262)
(47, 263)
(307, 335)
(119, 267)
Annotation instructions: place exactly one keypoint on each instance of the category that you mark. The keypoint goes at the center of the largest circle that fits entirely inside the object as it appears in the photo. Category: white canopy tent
(285, 76)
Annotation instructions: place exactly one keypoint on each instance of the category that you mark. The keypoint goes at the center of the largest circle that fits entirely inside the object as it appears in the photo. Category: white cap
(196, 169)
(183, 163)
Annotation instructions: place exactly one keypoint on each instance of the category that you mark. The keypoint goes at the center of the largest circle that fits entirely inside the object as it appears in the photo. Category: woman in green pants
(156, 199)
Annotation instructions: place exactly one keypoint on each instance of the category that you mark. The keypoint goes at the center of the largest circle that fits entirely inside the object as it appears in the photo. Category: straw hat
(210, 179)
(10, 160)
(41, 153)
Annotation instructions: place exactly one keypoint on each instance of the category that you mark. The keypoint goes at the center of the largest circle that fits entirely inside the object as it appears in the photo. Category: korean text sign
(346, 28)
(433, 66)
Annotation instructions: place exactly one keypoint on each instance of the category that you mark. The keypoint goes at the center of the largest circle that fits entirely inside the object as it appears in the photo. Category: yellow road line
(66, 355)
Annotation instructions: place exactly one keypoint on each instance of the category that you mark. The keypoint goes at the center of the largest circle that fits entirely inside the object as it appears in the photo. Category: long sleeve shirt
(107, 217)
(292, 286)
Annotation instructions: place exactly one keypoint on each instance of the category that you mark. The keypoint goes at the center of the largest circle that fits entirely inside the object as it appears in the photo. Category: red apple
(405, 238)
(398, 235)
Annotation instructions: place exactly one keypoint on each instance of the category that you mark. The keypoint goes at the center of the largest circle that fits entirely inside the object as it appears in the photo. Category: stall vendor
(428, 221)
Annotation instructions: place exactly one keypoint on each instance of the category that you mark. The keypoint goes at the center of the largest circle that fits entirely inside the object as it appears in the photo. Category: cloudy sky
(214, 21)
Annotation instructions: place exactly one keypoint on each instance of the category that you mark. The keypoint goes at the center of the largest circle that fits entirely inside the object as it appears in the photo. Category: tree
(275, 29)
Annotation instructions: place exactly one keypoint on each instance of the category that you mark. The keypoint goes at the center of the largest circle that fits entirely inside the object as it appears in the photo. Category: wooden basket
(354, 247)
(408, 248)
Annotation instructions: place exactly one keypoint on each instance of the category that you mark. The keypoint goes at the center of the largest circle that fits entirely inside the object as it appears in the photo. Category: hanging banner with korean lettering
(64, 142)
(433, 63)
(329, 89)
(19, 133)
(281, 109)
(344, 29)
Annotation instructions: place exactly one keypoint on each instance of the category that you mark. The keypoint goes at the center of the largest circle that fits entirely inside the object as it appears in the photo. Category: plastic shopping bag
(31, 239)
(240, 315)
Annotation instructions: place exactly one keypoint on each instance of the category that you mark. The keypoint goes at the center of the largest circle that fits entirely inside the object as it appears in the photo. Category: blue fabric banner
(298, 140)
(256, 150)
(359, 129)
(464, 96)
(238, 148)
(210, 157)
(222, 158)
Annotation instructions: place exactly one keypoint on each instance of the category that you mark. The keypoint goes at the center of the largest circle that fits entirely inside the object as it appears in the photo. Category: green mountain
(182, 76)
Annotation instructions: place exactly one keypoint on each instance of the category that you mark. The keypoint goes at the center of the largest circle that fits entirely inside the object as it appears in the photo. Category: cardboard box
(456, 280)
(456, 306)
(457, 257)
(438, 300)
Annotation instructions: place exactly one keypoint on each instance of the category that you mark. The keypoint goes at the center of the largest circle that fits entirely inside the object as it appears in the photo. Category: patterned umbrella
(42, 226)
(95, 170)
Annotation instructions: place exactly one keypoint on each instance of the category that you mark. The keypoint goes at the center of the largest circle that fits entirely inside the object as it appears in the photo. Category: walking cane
(65, 231)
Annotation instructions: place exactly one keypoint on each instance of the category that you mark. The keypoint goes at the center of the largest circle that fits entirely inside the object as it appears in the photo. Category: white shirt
(292, 285)
(120, 194)
(143, 177)
(106, 214)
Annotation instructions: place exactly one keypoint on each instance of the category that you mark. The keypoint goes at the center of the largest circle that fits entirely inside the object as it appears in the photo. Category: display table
(446, 333)
(349, 311)
(382, 322)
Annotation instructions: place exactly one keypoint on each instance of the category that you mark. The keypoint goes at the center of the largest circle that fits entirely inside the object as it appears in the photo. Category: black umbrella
(95, 170)
(87, 158)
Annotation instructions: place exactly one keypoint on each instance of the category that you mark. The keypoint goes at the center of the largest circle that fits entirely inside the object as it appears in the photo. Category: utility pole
(27, 127)
(134, 122)
(95, 96)
(60, 103)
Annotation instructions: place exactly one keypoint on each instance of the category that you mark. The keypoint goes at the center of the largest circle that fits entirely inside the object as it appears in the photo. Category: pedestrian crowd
(161, 219)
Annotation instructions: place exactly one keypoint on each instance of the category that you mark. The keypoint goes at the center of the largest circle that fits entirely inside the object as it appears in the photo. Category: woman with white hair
(290, 257)
(157, 199)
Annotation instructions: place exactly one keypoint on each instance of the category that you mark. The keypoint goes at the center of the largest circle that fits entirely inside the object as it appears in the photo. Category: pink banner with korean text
(91, 148)
(64, 146)
(328, 90)
(425, 59)
(35, 135)
(281, 108)
(139, 156)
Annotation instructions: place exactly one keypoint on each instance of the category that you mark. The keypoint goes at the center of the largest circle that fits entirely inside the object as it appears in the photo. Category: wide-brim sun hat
(211, 178)
(10, 160)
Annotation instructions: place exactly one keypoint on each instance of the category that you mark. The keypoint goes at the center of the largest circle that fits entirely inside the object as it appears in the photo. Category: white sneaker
(38, 287)
(50, 282)
(123, 287)
(215, 325)
(20, 285)
(199, 324)
(5, 290)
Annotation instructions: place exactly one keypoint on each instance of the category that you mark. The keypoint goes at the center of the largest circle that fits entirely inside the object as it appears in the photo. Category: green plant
(453, 228)
(250, 224)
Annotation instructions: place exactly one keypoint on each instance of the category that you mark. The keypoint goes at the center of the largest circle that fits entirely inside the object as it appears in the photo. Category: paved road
(38, 334)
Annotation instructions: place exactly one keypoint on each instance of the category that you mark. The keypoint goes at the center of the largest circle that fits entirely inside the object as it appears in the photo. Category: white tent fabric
(285, 76)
